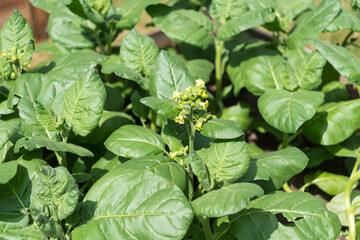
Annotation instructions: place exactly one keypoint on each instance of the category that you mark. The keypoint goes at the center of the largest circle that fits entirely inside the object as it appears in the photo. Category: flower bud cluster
(180, 153)
(193, 105)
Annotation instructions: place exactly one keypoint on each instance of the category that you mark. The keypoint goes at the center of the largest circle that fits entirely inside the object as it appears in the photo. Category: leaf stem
(218, 73)
(153, 120)
(345, 42)
(287, 188)
(302, 189)
(206, 226)
(191, 133)
(285, 141)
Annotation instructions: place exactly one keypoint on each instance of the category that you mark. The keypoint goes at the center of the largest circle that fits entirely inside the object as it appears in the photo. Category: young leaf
(330, 183)
(334, 122)
(227, 200)
(200, 69)
(56, 190)
(16, 34)
(346, 20)
(287, 111)
(312, 23)
(5, 69)
(50, 5)
(345, 62)
(222, 129)
(271, 170)
(225, 10)
(133, 141)
(127, 200)
(165, 107)
(226, 161)
(46, 117)
(84, 103)
(308, 74)
(169, 74)
(200, 170)
(244, 22)
(138, 52)
(7, 171)
(306, 215)
(337, 205)
(187, 26)
(8, 129)
(32, 143)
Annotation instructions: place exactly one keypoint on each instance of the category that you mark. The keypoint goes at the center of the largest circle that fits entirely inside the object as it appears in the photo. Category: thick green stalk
(350, 209)
(218, 73)
(285, 142)
(191, 133)
(108, 42)
(101, 47)
(206, 226)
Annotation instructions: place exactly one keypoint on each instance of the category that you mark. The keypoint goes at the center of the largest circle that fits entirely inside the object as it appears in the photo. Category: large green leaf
(8, 129)
(334, 122)
(114, 65)
(239, 113)
(349, 148)
(165, 107)
(29, 232)
(225, 10)
(54, 197)
(312, 23)
(70, 30)
(106, 163)
(200, 69)
(130, 12)
(138, 52)
(132, 141)
(136, 205)
(187, 26)
(227, 200)
(16, 36)
(330, 183)
(346, 20)
(244, 22)
(32, 143)
(15, 197)
(50, 5)
(335, 92)
(271, 170)
(169, 74)
(287, 111)
(162, 166)
(308, 74)
(344, 61)
(222, 129)
(306, 217)
(84, 102)
(7, 171)
(226, 161)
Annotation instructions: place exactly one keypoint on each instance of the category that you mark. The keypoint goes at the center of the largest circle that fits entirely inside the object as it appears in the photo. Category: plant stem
(287, 188)
(350, 210)
(191, 133)
(206, 226)
(218, 73)
(304, 187)
(101, 47)
(345, 42)
(285, 142)
(108, 42)
(153, 120)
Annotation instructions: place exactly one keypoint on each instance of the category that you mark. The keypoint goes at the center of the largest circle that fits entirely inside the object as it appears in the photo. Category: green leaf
(239, 113)
(349, 148)
(139, 109)
(7, 171)
(5, 69)
(227, 200)
(165, 107)
(50, 5)
(4, 110)
(46, 117)
(16, 36)
(32, 143)
(70, 30)
(225, 10)
(200, 69)
(138, 52)
(244, 22)
(312, 23)
(335, 92)
(308, 74)
(79, 166)
(316, 155)
(288, 11)
(169, 74)
(113, 65)
(222, 129)
(19, 232)
(200, 170)
(338, 206)
(333, 123)
(130, 12)
(306, 215)
(174, 135)
(287, 111)
(187, 26)
(226, 161)
(8, 129)
(346, 20)
(79, 232)
(272, 169)
(106, 163)
(54, 197)
(84, 102)
(162, 166)
(345, 62)
(137, 205)
(133, 141)
(330, 183)
(262, 72)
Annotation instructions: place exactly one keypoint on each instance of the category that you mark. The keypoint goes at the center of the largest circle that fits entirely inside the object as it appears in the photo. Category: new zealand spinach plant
(137, 142)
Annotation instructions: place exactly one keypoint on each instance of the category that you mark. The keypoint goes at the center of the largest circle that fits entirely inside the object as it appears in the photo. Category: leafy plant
(193, 142)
